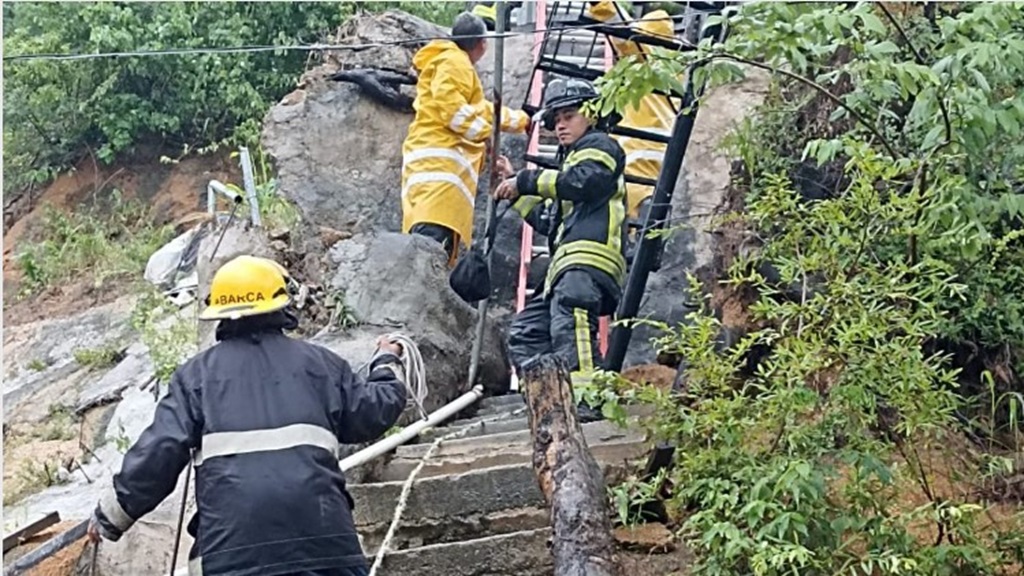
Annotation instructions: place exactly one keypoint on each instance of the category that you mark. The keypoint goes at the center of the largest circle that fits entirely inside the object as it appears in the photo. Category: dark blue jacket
(261, 415)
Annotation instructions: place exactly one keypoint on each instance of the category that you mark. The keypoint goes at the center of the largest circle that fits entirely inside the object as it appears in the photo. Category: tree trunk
(569, 477)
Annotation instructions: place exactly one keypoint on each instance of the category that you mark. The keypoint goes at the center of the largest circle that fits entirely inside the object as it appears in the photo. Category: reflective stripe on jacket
(262, 416)
(443, 152)
(589, 198)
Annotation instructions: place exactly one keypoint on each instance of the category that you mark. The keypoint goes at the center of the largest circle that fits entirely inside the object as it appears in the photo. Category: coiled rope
(415, 372)
(403, 498)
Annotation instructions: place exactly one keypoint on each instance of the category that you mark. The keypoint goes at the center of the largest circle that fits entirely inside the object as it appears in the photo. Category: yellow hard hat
(247, 286)
(656, 23)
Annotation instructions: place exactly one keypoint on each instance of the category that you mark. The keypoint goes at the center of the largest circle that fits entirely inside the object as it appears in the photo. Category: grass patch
(99, 243)
(98, 358)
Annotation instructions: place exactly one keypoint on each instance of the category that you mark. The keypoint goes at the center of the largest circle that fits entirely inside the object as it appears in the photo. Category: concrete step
(523, 553)
(478, 426)
(458, 528)
(504, 400)
(607, 442)
(516, 402)
(437, 502)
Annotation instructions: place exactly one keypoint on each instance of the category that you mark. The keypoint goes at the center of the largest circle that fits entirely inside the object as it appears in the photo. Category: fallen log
(568, 474)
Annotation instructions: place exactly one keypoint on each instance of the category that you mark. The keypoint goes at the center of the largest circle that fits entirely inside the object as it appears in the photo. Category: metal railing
(215, 187)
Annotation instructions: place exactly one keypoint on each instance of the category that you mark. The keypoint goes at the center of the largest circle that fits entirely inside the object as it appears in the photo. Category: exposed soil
(651, 375)
(651, 550)
(62, 563)
(26, 450)
(175, 192)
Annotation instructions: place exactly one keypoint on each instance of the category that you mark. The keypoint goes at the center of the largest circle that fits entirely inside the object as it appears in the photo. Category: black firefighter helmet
(567, 93)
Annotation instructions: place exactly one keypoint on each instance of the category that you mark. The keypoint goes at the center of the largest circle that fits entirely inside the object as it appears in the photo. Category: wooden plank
(51, 547)
(27, 531)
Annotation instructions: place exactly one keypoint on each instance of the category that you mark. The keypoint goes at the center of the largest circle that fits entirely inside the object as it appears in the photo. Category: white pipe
(391, 442)
(215, 186)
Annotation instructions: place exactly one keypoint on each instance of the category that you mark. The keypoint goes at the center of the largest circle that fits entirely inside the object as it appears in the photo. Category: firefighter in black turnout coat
(582, 209)
(261, 415)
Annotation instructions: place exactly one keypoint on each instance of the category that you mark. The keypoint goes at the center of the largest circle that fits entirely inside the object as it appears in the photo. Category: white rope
(403, 498)
(415, 372)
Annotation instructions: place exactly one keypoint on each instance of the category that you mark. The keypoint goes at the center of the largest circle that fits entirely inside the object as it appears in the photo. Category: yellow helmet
(656, 23)
(247, 286)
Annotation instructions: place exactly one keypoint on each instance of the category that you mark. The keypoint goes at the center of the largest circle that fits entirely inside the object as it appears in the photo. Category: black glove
(107, 530)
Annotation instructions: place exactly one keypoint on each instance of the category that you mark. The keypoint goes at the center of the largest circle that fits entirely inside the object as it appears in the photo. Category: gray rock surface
(135, 370)
(39, 358)
(398, 283)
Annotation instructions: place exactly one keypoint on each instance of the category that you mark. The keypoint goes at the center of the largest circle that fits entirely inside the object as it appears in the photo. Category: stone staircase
(475, 508)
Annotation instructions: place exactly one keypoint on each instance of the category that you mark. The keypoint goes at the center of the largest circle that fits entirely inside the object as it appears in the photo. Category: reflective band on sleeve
(232, 443)
(476, 128)
(591, 154)
(397, 369)
(112, 509)
(546, 183)
(195, 566)
(525, 204)
(465, 111)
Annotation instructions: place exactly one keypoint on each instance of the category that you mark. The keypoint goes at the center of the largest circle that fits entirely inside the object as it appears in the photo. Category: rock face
(700, 190)
(398, 283)
(40, 370)
(339, 154)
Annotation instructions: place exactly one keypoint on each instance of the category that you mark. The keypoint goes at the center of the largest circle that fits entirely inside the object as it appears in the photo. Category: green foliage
(103, 357)
(442, 13)
(97, 243)
(813, 445)
(55, 109)
(168, 337)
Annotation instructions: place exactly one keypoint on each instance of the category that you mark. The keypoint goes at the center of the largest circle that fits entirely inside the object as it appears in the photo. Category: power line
(317, 47)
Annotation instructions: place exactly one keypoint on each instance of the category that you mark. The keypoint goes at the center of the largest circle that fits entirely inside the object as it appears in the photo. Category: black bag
(471, 277)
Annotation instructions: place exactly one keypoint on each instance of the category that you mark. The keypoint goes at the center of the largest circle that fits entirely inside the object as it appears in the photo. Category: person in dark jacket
(261, 416)
(582, 209)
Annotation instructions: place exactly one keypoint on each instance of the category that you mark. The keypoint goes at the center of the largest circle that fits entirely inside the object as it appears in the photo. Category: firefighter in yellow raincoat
(443, 153)
(654, 113)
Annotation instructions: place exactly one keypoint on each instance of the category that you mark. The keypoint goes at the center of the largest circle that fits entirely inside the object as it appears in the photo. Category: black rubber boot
(584, 413)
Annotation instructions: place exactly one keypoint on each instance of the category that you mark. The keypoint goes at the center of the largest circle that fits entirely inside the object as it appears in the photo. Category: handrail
(215, 187)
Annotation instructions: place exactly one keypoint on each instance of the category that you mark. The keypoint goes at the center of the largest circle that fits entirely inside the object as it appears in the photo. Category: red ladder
(527, 249)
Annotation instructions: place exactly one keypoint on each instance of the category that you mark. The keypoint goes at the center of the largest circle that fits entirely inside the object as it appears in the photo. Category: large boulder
(338, 153)
(390, 282)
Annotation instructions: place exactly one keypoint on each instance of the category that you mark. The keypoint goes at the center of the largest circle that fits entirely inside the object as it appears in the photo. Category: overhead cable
(316, 47)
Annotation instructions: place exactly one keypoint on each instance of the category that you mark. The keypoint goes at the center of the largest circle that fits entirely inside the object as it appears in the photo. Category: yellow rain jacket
(654, 113)
(444, 150)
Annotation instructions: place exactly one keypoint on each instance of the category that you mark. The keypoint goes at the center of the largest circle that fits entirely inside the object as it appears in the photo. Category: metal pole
(646, 253)
(499, 60)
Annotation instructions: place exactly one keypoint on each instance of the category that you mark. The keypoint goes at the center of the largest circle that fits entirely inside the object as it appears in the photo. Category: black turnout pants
(442, 235)
(564, 323)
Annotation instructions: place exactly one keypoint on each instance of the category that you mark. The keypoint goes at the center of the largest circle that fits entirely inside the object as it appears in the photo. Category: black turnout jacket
(261, 415)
